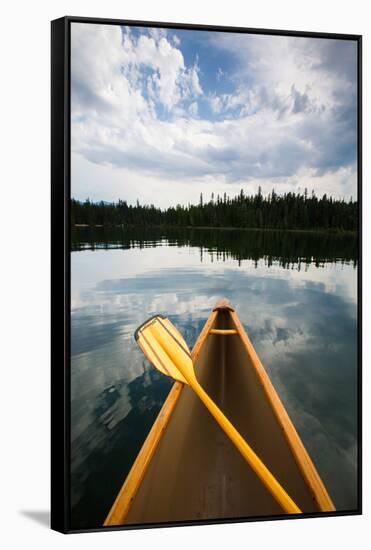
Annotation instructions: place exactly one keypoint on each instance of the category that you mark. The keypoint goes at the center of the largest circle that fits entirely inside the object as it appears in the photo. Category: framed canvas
(206, 274)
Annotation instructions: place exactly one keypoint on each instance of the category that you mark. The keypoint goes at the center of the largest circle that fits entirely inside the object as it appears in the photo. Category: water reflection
(288, 248)
(302, 322)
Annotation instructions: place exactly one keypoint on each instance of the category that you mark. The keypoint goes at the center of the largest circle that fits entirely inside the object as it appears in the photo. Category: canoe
(188, 469)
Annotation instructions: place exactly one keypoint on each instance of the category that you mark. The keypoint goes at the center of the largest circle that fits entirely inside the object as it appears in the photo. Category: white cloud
(216, 103)
(92, 180)
(137, 111)
(220, 74)
(109, 64)
(193, 108)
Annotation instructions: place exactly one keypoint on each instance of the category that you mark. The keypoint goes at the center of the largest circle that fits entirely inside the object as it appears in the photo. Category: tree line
(287, 211)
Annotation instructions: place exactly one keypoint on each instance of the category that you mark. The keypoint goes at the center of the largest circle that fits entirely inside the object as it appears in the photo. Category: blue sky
(163, 115)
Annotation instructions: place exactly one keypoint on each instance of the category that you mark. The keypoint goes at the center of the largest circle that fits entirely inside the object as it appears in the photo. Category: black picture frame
(60, 263)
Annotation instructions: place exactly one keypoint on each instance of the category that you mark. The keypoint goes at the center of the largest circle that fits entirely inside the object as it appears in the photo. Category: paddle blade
(165, 348)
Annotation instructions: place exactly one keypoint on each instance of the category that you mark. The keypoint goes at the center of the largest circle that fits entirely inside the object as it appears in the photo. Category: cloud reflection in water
(302, 323)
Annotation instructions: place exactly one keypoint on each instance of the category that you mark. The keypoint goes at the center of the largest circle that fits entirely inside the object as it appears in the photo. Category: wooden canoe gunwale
(129, 489)
(302, 458)
(122, 504)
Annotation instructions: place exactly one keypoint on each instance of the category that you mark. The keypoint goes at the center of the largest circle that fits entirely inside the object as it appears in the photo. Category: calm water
(296, 295)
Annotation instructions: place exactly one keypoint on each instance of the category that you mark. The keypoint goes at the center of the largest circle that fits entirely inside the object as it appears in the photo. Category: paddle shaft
(246, 451)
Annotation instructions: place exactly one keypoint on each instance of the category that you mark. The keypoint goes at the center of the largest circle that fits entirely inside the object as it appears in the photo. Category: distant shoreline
(207, 227)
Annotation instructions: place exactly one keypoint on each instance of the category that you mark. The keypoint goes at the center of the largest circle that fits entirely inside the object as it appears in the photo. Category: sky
(161, 115)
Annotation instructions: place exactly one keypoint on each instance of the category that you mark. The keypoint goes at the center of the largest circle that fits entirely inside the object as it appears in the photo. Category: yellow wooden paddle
(165, 348)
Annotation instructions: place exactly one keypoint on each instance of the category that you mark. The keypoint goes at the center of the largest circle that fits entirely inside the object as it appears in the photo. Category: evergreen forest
(286, 211)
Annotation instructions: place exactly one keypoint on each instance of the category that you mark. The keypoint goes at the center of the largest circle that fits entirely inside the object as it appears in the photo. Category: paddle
(165, 348)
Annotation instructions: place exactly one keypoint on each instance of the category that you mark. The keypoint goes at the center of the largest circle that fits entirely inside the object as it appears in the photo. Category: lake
(295, 293)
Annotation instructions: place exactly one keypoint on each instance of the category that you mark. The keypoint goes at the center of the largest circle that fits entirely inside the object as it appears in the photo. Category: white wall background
(24, 274)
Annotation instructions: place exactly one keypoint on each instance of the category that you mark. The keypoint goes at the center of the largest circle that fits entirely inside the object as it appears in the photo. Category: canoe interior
(196, 472)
